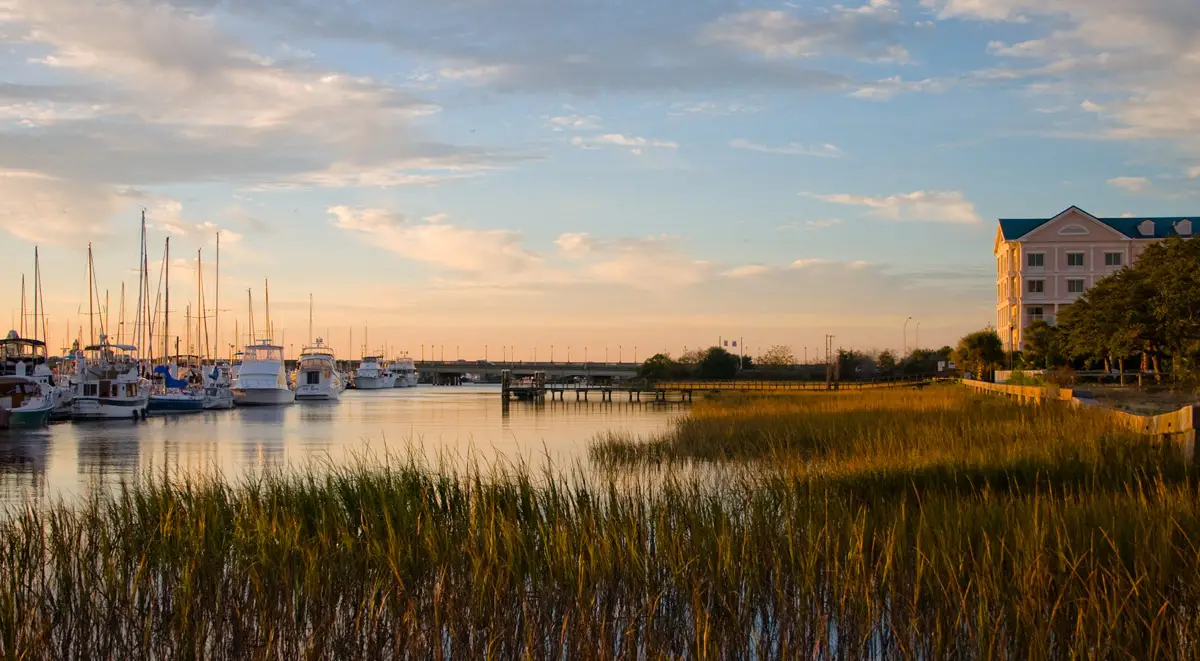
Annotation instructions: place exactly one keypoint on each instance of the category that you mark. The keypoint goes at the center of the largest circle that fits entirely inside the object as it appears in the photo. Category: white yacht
(372, 375)
(218, 389)
(107, 384)
(405, 372)
(317, 376)
(25, 357)
(261, 380)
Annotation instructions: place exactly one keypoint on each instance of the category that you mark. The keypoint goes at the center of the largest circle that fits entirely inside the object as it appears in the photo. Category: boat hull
(372, 382)
(30, 417)
(263, 397)
(170, 404)
(317, 394)
(108, 408)
(220, 401)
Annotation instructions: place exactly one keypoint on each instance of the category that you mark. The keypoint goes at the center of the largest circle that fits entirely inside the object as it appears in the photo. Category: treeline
(1147, 314)
(778, 363)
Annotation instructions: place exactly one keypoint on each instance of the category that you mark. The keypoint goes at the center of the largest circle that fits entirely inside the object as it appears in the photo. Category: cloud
(646, 262)
(679, 109)
(867, 32)
(810, 262)
(887, 88)
(918, 206)
(574, 122)
(1194, 172)
(635, 144)
(1139, 56)
(592, 48)
(41, 209)
(747, 271)
(162, 94)
(449, 246)
(1130, 184)
(793, 148)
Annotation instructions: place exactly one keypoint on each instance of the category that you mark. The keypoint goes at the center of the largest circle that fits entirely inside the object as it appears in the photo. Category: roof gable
(1016, 229)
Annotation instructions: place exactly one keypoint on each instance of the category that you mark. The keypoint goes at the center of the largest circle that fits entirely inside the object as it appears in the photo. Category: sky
(471, 178)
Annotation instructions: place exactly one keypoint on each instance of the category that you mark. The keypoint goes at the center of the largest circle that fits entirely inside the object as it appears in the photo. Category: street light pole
(904, 351)
(917, 337)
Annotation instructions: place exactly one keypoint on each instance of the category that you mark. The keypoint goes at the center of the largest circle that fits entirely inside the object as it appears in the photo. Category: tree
(1043, 346)
(718, 364)
(981, 352)
(779, 355)
(658, 366)
(887, 360)
(692, 357)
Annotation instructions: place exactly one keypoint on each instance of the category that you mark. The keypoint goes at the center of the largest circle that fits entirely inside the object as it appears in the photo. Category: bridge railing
(748, 385)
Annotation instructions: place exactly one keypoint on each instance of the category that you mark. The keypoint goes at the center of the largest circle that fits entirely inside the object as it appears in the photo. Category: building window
(1074, 259)
(1075, 286)
(1112, 259)
(1037, 259)
(1037, 286)
(1036, 314)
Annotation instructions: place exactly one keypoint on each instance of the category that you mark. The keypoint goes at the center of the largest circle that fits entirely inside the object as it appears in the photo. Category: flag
(735, 344)
(726, 342)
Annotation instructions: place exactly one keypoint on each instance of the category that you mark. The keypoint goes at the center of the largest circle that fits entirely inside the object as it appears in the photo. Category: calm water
(69, 459)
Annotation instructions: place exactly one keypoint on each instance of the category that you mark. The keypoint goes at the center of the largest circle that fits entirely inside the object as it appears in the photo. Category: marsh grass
(839, 541)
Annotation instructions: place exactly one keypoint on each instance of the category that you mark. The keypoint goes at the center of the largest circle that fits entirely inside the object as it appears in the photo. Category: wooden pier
(537, 388)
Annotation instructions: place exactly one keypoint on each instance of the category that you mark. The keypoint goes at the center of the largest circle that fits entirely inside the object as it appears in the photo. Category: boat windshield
(325, 352)
(20, 349)
(315, 363)
(263, 352)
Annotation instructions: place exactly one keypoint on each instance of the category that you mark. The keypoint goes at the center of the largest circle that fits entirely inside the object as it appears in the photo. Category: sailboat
(172, 394)
(107, 384)
(261, 378)
(218, 381)
(28, 357)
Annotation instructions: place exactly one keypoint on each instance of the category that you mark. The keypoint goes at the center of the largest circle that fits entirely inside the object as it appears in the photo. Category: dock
(537, 388)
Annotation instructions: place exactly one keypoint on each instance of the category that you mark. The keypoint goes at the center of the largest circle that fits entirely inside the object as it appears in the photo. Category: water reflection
(67, 460)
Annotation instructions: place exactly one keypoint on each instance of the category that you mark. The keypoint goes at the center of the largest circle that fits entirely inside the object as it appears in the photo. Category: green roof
(1015, 228)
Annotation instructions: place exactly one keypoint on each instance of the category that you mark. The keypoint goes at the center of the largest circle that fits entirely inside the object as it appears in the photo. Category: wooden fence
(1176, 423)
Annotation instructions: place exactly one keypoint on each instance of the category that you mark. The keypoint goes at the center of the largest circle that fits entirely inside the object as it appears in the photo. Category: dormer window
(1183, 227)
(1073, 230)
(1146, 228)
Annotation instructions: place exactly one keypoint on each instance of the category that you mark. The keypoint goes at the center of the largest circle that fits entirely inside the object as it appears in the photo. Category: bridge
(442, 371)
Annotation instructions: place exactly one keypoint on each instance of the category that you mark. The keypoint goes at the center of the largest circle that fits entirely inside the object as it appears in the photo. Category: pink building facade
(1044, 264)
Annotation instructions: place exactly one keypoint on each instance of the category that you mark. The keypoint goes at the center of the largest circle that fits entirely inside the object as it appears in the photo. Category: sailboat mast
(267, 293)
(167, 300)
(250, 297)
(91, 303)
(37, 294)
(121, 320)
(22, 324)
(199, 288)
(217, 305)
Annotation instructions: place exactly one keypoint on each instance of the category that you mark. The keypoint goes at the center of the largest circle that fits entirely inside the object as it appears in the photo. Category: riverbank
(931, 523)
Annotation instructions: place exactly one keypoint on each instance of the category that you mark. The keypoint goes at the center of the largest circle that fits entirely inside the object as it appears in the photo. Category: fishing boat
(372, 374)
(107, 385)
(404, 372)
(28, 358)
(23, 401)
(218, 391)
(261, 379)
(317, 376)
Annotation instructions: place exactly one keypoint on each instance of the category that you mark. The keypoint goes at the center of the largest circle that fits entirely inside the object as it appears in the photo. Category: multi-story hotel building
(1043, 264)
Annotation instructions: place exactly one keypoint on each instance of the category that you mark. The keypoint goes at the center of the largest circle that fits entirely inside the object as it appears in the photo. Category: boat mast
(22, 324)
(121, 321)
(250, 297)
(167, 301)
(267, 293)
(217, 305)
(37, 294)
(91, 303)
(202, 321)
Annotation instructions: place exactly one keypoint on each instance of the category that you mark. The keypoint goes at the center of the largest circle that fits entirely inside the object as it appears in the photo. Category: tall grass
(792, 557)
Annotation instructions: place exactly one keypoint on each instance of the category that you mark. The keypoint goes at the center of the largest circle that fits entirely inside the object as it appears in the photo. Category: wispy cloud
(635, 144)
(574, 122)
(792, 148)
(918, 206)
(1130, 184)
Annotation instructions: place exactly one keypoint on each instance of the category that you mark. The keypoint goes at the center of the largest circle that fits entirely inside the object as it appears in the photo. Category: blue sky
(533, 172)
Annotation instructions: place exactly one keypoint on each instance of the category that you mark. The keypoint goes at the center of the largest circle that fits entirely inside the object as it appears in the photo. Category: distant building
(1044, 264)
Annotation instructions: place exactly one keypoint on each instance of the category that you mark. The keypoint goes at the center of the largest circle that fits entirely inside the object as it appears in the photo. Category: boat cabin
(15, 391)
(16, 351)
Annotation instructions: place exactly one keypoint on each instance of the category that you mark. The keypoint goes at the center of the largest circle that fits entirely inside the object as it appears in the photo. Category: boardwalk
(537, 388)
